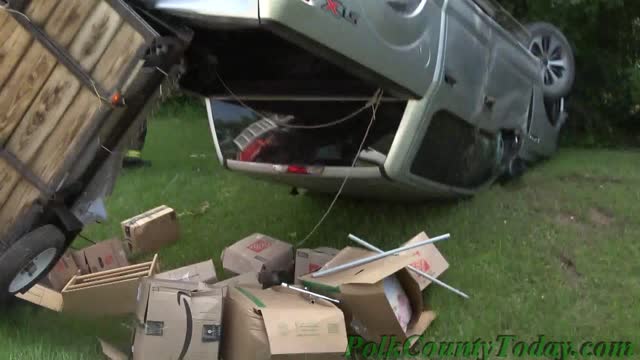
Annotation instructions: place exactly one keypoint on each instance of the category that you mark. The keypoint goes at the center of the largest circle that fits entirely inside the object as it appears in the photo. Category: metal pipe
(307, 292)
(377, 257)
(417, 271)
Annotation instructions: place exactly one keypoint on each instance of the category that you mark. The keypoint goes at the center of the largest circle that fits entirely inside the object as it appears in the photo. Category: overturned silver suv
(405, 98)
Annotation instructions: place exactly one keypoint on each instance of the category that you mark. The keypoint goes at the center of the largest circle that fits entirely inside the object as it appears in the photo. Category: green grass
(554, 253)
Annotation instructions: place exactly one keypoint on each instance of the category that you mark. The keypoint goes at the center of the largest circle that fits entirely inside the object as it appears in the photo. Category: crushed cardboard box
(247, 279)
(62, 272)
(178, 320)
(104, 255)
(311, 260)
(257, 253)
(368, 309)
(151, 230)
(201, 272)
(111, 292)
(278, 323)
(429, 260)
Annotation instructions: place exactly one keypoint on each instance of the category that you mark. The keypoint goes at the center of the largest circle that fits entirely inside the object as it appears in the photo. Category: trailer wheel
(29, 259)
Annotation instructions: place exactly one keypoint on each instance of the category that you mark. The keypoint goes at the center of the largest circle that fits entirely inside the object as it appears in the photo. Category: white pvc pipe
(419, 272)
(377, 257)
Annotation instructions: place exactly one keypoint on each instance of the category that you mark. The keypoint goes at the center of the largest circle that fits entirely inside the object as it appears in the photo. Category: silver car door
(455, 99)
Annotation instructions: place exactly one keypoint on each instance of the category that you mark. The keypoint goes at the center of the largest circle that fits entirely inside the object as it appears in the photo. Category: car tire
(514, 170)
(551, 46)
(39, 250)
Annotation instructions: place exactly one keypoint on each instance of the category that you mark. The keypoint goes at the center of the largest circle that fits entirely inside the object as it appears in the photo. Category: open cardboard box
(364, 297)
(111, 292)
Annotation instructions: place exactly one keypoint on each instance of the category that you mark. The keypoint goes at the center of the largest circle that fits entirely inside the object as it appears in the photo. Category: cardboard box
(201, 272)
(178, 320)
(105, 255)
(278, 323)
(62, 272)
(151, 230)
(311, 260)
(430, 260)
(244, 280)
(257, 253)
(107, 293)
(363, 294)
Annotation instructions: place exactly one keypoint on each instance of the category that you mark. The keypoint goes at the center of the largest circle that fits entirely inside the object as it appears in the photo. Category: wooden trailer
(76, 78)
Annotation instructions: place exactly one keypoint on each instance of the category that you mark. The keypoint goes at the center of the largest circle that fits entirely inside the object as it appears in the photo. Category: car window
(505, 20)
(455, 153)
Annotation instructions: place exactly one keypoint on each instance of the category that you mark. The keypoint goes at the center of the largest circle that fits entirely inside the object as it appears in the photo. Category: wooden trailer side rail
(75, 64)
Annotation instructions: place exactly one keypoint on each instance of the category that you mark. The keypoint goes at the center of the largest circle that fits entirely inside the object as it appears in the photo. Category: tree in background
(605, 105)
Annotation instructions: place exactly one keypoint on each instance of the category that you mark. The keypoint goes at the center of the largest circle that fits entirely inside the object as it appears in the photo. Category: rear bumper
(363, 182)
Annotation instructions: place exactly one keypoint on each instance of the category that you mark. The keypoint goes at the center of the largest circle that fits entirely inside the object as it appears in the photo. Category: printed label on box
(259, 245)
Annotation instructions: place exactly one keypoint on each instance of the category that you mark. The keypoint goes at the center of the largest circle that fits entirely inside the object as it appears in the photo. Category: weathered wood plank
(39, 11)
(22, 88)
(15, 41)
(8, 180)
(66, 137)
(66, 20)
(21, 199)
(118, 55)
(95, 35)
(44, 114)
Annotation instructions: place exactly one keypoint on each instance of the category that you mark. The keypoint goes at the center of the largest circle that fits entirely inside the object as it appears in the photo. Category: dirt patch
(600, 217)
(596, 179)
(569, 266)
(568, 219)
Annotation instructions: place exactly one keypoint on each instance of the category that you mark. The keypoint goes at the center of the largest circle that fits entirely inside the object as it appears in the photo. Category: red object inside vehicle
(251, 152)
(295, 169)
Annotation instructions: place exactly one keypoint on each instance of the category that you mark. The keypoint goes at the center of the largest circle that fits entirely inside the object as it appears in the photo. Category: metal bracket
(25, 172)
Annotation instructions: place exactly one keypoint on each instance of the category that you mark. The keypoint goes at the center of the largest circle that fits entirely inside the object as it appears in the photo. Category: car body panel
(452, 56)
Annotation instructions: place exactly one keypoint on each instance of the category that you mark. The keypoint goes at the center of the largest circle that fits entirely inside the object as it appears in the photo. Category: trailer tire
(29, 259)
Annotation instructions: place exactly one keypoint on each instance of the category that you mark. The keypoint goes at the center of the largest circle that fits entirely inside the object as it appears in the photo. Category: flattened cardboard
(201, 272)
(276, 323)
(64, 270)
(103, 256)
(43, 296)
(178, 320)
(363, 300)
(430, 260)
(257, 253)
(111, 352)
(312, 260)
(151, 230)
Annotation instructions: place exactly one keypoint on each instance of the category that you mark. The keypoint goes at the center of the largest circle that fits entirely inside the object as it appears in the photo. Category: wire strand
(376, 98)
(346, 178)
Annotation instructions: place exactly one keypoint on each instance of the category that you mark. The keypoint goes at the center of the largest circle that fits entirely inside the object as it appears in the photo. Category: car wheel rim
(554, 59)
(32, 270)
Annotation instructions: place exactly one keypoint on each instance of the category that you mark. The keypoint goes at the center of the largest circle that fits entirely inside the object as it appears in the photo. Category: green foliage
(606, 39)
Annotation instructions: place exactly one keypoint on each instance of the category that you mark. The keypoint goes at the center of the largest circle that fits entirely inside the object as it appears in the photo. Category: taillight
(294, 169)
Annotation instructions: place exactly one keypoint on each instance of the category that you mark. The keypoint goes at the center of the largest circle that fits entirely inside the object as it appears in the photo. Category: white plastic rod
(419, 272)
(377, 257)
(307, 292)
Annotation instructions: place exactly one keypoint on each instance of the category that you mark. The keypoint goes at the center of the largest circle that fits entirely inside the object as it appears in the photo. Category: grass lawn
(554, 253)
